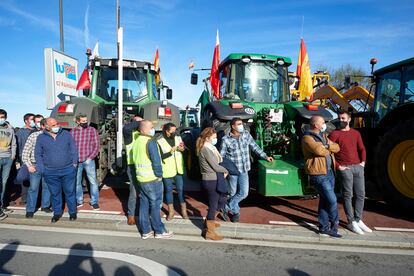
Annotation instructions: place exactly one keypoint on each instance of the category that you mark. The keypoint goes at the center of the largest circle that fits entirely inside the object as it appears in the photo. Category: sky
(335, 33)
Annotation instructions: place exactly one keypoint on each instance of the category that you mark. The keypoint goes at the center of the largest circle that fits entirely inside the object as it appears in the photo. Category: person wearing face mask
(171, 148)
(147, 160)
(56, 158)
(22, 177)
(87, 142)
(209, 158)
(7, 155)
(350, 171)
(236, 147)
(318, 152)
(28, 158)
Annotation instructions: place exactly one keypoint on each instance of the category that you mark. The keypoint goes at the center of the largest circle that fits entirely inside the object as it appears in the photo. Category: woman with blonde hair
(210, 158)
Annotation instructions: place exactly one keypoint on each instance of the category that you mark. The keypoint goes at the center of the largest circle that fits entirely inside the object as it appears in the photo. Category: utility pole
(62, 45)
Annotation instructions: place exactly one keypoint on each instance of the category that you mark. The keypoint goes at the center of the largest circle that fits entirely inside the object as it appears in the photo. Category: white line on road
(293, 245)
(394, 229)
(153, 268)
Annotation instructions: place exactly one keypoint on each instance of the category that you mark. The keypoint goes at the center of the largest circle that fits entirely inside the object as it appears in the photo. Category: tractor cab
(255, 78)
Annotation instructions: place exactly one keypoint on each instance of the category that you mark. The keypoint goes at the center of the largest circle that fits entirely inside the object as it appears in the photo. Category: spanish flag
(304, 74)
(157, 68)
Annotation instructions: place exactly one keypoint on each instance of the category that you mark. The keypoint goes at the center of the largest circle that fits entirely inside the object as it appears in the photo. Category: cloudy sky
(335, 33)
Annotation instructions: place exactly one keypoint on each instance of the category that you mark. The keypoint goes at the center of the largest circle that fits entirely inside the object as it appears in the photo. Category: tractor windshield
(134, 84)
(388, 95)
(255, 82)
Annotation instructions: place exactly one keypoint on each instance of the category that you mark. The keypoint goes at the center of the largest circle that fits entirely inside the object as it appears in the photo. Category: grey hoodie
(7, 141)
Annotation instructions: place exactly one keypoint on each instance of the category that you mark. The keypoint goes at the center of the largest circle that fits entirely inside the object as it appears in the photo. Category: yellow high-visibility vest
(173, 164)
(141, 160)
(128, 148)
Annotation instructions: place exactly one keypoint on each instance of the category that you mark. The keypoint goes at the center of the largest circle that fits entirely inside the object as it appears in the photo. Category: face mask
(342, 125)
(55, 129)
(152, 132)
(240, 128)
(84, 125)
(2, 121)
(32, 124)
(323, 128)
(38, 126)
(214, 141)
(172, 134)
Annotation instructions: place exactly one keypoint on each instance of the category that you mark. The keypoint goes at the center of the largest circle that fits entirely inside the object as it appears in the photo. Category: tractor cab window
(258, 82)
(134, 84)
(388, 92)
(409, 84)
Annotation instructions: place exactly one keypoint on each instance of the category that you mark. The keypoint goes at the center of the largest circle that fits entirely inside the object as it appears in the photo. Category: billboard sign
(61, 77)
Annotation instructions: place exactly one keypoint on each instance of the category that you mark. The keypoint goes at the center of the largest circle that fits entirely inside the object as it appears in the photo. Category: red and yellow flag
(157, 68)
(214, 74)
(304, 74)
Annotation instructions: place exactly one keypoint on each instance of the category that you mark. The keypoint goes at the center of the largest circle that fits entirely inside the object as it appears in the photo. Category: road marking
(293, 245)
(79, 211)
(153, 268)
(394, 229)
(303, 223)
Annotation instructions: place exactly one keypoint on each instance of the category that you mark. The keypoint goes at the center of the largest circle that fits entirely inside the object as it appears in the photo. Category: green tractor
(255, 88)
(388, 133)
(100, 103)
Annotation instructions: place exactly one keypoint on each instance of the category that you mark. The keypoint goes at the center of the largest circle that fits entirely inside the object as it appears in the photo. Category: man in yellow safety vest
(147, 162)
(171, 147)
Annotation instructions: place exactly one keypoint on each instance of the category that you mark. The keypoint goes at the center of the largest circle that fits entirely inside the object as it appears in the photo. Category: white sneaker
(165, 235)
(148, 235)
(363, 227)
(355, 228)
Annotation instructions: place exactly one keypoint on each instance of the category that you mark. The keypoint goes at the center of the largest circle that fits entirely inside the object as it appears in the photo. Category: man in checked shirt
(236, 146)
(87, 142)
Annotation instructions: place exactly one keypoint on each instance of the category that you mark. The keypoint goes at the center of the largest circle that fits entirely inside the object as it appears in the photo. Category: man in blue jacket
(57, 158)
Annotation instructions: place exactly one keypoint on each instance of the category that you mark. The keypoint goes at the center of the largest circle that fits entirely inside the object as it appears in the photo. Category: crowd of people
(55, 160)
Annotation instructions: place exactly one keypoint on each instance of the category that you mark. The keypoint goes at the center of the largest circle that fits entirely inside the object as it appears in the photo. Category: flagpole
(120, 42)
(303, 21)
(62, 45)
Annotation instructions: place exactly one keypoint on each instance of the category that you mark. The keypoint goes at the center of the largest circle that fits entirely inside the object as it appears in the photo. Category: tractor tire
(394, 165)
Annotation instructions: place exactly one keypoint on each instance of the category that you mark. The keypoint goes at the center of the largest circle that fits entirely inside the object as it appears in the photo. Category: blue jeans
(5, 167)
(58, 180)
(328, 209)
(150, 199)
(133, 190)
(239, 190)
(168, 187)
(35, 179)
(89, 167)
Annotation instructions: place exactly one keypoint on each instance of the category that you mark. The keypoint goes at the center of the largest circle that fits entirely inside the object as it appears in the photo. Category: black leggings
(216, 200)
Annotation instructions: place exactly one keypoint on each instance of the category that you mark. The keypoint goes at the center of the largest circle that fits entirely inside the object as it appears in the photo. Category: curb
(234, 231)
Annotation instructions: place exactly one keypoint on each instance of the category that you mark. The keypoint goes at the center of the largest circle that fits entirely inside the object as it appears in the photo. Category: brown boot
(184, 211)
(131, 220)
(215, 222)
(211, 233)
(170, 212)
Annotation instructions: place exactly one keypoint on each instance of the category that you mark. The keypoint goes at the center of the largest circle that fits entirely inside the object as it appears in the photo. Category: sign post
(61, 77)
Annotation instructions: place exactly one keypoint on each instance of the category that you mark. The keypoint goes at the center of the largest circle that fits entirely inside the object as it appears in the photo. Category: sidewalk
(305, 235)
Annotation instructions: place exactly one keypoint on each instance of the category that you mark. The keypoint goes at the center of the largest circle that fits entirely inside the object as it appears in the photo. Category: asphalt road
(33, 252)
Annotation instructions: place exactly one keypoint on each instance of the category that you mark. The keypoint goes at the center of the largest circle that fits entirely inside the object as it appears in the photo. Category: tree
(338, 76)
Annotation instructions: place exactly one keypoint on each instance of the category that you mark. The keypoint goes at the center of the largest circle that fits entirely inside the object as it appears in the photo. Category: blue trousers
(168, 188)
(89, 167)
(5, 167)
(58, 180)
(150, 199)
(133, 190)
(328, 208)
(35, 179)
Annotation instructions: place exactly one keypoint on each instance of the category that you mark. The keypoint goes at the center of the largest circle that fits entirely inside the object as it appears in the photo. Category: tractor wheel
(394, 165)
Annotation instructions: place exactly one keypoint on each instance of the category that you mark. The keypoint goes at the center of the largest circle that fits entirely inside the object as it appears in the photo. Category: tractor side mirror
(194, 78)
(86, 92)
(169, 94)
